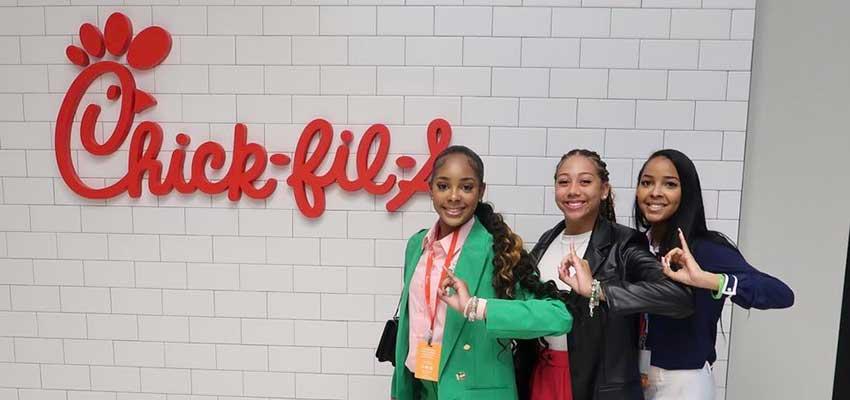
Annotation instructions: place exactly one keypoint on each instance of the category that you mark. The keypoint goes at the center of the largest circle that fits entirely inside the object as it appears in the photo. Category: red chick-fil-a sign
(148, 49)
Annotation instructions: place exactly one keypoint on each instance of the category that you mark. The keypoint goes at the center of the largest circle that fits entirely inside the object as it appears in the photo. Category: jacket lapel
(413, 259)
(546, 240)
(597, 248)
(470, 268)
(403, 345)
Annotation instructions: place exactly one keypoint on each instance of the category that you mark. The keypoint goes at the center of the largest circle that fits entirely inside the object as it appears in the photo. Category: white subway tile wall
(194, 295)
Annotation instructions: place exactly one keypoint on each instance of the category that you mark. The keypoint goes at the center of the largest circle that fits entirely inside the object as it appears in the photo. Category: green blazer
(474, 365)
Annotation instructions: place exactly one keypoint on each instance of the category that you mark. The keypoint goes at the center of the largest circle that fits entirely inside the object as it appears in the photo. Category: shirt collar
(446, 241)
(654, 249)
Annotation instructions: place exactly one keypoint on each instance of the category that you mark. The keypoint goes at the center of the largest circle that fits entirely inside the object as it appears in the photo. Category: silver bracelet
(595, 288)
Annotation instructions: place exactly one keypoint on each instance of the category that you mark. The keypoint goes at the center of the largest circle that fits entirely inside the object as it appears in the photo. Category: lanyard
(430, 266)
(643, 327)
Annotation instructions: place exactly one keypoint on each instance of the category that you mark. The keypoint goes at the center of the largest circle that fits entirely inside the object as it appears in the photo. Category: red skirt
(551, 377)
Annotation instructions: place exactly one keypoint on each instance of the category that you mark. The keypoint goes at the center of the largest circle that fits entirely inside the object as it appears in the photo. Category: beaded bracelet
(469, 311)
(466, 307)
(477, 313)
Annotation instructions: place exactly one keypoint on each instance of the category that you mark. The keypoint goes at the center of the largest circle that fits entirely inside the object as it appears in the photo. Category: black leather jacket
(604, 348)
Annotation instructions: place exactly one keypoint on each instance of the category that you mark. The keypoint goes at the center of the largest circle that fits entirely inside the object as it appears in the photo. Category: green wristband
(720, 287)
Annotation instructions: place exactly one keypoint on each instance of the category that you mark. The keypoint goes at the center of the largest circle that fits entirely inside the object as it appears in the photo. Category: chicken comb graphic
(143, 51)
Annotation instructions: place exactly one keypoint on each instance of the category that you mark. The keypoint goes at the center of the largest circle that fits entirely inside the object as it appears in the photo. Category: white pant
(682, 384)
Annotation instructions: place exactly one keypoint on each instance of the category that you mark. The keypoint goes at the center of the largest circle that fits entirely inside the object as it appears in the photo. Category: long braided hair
(512, 264)
(606, 207)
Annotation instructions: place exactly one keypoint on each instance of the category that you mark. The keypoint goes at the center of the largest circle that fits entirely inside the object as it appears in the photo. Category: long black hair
(511, 262)
(690, 216)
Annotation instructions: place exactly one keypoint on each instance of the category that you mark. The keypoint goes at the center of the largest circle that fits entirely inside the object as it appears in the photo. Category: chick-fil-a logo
(148, 49)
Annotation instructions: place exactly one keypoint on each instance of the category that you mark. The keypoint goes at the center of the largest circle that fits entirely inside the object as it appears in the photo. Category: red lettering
(367, 172)
(176, 166)
(65, 122)
(249, 160)
(212, 154)
(339, 168)
(241, 179)
(439, 137)
(143, 159)
(304, 167)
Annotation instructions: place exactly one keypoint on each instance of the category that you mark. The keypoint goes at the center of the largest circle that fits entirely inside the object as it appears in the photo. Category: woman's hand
(459, 298)
(690, 273)
(575, 272)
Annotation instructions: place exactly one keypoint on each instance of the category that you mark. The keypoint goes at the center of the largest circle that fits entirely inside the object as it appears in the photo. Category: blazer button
(467, 347)
(460, 376)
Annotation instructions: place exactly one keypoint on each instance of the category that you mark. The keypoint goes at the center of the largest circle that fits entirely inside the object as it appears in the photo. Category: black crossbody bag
(386, 347)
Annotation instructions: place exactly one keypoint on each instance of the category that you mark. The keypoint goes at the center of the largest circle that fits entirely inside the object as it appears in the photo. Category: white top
(548, 266)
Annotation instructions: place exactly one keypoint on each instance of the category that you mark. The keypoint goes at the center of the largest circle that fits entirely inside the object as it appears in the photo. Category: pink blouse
(420, 320)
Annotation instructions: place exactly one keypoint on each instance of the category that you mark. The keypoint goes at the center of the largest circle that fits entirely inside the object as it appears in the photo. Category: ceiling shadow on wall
(841, 386)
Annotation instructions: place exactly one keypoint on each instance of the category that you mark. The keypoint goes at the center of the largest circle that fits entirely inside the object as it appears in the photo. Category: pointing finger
(683, 241)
